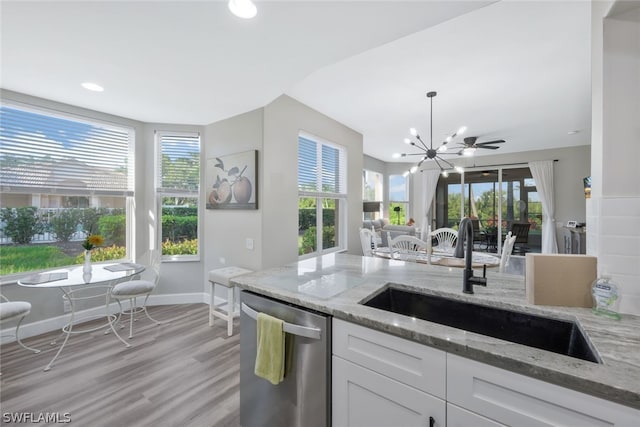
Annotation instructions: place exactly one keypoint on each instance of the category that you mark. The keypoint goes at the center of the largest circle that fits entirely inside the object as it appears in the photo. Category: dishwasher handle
(302, 331)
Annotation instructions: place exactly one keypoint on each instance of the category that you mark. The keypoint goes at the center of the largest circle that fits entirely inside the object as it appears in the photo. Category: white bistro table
(76, 286)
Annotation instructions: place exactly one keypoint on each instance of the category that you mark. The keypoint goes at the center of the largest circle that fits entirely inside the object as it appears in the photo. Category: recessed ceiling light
(92, 86)
(573, 132)
(243, 8)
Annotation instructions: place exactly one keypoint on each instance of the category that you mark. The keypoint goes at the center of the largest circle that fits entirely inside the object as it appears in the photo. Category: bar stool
(223, 276)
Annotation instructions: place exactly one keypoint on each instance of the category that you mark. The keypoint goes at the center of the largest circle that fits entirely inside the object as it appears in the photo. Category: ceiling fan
(469, 146)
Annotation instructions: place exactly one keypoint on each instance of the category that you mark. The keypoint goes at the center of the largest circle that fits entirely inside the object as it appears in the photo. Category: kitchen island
(337, 284)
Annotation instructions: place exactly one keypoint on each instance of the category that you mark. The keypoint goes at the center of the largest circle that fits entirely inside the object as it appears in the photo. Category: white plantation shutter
(46, 153)
(179, 164)
(321, 168)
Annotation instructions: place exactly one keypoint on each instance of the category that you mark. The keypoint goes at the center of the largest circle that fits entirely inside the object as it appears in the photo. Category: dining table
(78, 285)
(443, 258)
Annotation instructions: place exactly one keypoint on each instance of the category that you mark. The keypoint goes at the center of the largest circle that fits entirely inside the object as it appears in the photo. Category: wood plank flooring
(180, 373)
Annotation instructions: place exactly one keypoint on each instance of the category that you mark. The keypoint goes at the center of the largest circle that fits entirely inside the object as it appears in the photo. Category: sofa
(394, 231)
(375, 225)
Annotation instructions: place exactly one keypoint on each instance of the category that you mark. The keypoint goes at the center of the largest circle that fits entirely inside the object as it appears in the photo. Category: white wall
(284, 119)
(615, 204)
(226, 231)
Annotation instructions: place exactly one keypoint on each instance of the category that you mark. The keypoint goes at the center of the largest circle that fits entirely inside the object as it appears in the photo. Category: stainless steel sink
(556, 335)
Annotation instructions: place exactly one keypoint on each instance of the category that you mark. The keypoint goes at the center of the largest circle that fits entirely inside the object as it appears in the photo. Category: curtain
(542, 173)
(429, 183)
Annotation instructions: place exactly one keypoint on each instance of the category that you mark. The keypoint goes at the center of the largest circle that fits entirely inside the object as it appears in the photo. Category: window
(62, 179)
(399, 199)
(322, 196)
(178, 188)
(372, 191)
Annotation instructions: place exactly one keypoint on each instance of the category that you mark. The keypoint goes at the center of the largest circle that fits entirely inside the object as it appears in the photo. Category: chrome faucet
(466, 232)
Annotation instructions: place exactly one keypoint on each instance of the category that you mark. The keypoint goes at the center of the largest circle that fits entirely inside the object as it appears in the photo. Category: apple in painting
(242, 190)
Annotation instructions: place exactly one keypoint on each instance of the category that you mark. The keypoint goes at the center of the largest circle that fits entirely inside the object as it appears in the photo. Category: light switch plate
(249, 243)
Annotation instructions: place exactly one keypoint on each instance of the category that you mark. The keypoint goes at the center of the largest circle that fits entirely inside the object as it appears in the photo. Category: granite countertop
(336, 284)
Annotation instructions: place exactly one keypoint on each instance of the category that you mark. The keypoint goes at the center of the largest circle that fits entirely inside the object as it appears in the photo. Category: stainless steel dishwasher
(302, 399)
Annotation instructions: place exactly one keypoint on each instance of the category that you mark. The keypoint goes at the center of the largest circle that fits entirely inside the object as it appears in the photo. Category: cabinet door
(518, 400)
(363, 398)
(408, 362)
(458, 417)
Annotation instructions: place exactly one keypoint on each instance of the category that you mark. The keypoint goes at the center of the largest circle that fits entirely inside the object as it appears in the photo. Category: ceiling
(514, 70)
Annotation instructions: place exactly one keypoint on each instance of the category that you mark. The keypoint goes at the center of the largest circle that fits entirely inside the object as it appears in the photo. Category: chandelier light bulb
(445, 173)
(244, 9)
(413, 169)
(405, 174)
(407, 141)
(413, 131)
(396, 155)
(449, 138)
(461, 130)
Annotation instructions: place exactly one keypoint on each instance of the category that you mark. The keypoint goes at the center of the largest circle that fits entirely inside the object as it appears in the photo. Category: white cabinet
(406, 361)
(518, 400)
(364, 398)
(383, 380)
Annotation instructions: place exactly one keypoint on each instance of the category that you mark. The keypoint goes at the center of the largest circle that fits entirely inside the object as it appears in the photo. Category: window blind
(45, 153)
(321, 167)
(179, 160)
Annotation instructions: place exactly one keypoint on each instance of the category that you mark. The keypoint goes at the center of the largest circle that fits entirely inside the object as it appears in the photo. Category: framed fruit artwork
(232, 181)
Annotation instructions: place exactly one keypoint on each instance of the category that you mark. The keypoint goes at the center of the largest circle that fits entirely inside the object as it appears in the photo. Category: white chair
(222, 276)
(445, 238)
(368, 241)
(137, 288)
(15, 310)
(507, 249)
(407, 247)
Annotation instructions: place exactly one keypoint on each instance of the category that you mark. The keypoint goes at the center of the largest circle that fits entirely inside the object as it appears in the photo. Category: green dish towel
(270, 363)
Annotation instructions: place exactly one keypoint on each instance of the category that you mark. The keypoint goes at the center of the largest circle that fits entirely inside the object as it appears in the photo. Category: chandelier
(427, 152)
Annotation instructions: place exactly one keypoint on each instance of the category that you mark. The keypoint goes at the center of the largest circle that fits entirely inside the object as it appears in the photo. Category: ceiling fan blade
(490, 147)
(497, 141)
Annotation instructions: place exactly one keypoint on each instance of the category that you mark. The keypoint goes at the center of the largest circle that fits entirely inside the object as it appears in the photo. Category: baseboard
(56, 323)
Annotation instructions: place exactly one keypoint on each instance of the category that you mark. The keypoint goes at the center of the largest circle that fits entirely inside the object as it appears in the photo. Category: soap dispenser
(606, 298)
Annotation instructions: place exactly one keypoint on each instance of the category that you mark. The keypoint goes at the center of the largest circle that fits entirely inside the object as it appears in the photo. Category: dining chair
(521, 232)
(367, 241)
(445, 241)
(407, 247)
(137, 288)
(477, 234)
(507, 249)
(10, 310)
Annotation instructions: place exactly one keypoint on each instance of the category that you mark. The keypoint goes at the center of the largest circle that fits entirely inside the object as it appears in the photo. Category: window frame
(340, 196)
(127, 194)
(406, 202)
(160, 193)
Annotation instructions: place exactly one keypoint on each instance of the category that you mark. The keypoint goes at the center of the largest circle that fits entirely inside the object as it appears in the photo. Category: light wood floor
(181, 373)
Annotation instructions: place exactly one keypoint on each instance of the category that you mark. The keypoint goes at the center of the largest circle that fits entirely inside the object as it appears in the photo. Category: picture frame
(232, 181)
(572, 224)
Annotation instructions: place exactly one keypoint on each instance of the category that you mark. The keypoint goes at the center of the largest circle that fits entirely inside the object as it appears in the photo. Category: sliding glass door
(497, 198)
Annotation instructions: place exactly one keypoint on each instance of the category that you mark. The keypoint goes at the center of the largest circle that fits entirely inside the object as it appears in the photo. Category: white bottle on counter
(606, 298)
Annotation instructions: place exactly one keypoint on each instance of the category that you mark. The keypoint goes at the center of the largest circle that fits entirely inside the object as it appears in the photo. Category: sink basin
(559, 336)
